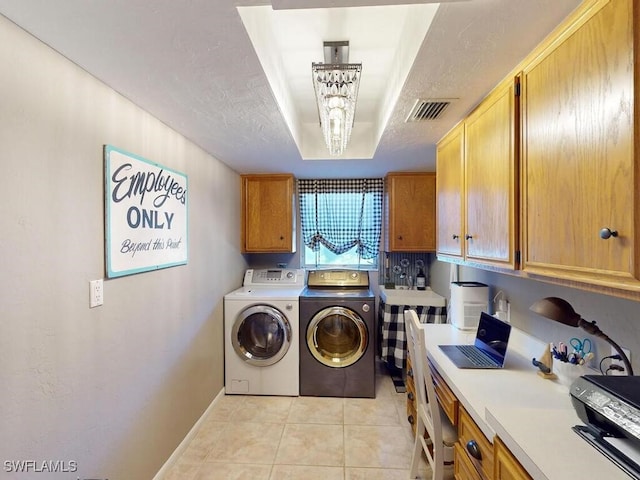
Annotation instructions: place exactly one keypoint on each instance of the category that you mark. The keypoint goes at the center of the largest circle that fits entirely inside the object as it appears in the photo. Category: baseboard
(185, 441)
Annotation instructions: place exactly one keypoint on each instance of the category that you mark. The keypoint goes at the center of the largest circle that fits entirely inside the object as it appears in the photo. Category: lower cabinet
(477, 447)
(506, 467)
(463, 469)
(446, 398)
(412, 415)
(475, 457)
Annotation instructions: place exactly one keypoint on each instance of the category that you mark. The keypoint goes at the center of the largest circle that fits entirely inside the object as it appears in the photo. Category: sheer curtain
(342, 214)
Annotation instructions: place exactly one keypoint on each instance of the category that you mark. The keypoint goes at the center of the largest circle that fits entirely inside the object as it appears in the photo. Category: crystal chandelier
(336, 85)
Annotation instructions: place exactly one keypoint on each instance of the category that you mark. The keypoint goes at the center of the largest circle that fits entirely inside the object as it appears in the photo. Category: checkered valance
(341, 214)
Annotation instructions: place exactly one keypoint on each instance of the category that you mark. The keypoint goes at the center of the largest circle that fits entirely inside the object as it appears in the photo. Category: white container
(568, 372)
(468, 301)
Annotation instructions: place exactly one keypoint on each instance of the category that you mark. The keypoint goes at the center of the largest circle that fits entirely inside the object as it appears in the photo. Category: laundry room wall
(617, 317)
(113, 389)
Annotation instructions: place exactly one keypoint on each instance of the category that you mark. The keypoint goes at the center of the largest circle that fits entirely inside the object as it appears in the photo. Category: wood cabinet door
(468, 431)
(579, 172)
(449, 191)
(505, 465)
(267, 213)
(411, 212)
(491, 174)
(463, 469)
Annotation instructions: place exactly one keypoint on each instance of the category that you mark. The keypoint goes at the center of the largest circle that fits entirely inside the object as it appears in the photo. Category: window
(341, 222)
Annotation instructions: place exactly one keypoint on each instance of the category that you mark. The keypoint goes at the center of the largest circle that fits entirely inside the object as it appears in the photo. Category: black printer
(610, 408)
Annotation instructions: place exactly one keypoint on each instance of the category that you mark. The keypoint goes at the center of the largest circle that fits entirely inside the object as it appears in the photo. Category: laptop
(489, 348)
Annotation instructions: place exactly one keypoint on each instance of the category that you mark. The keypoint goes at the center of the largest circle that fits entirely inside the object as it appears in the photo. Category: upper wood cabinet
(491, 178)
(477, 183)
(268, 222)
(580, 178)
(450, 193)
(410, 212)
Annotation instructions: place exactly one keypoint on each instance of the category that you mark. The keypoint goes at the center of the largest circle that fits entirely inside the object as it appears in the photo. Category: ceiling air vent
(427, 110)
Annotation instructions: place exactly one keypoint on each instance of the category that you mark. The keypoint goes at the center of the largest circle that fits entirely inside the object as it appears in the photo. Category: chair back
(427, 407)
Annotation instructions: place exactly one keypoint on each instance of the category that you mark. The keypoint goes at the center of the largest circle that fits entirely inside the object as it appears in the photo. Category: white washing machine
(261, 332)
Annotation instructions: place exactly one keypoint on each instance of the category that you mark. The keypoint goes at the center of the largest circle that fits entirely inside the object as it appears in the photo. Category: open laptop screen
(492, 336)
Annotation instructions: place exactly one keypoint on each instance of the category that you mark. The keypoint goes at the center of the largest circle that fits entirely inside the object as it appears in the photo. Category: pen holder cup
(568, 372)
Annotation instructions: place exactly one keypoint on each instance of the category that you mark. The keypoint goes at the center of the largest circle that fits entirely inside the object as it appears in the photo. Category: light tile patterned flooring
(278, 438)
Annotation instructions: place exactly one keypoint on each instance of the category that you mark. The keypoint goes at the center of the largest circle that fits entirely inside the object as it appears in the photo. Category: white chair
(441, 435)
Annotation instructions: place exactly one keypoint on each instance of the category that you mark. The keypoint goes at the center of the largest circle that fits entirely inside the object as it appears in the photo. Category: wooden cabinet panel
(446, 397)
(412, 414)
(463, 469)
(268, 213)
(506, 467)
(490, 179)
(478, 183)
(410, 212)
(579, 171)
(449, 187)
(468, 431)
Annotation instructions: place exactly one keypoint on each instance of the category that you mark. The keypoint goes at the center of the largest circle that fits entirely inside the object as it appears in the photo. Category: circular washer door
(261, 335)
(337, 337)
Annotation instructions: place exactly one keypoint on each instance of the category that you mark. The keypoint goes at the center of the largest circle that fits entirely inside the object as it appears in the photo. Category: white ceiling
(384, 39)
(192, 64)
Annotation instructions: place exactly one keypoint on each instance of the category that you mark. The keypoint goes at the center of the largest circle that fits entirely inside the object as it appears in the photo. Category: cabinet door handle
(607, 233)
(410, 373)
(410, 419)
(455, 237)
(281, 237)
(474, 450)
(410, 396)
(468, 237)
(399, 237)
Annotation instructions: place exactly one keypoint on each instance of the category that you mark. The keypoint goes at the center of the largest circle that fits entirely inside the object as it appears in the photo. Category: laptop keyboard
(476, 357)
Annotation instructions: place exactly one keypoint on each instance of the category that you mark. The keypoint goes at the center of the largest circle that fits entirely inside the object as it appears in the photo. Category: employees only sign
(145, 214)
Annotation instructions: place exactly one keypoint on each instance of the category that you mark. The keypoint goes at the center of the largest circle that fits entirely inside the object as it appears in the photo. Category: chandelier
(336, 85)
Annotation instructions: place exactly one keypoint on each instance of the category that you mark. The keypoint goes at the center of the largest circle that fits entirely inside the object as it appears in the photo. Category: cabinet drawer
(411, 395)
(447, 399)
(506, 466)
(468, 431)
(463, 469)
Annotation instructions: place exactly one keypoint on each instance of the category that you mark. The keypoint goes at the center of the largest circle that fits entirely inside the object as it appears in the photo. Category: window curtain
(341, 214)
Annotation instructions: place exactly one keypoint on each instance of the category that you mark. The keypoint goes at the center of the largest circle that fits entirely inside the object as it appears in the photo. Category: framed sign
(145, 214)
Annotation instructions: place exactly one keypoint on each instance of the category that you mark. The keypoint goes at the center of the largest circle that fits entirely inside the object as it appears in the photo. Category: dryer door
(337, 337)
(261, 335)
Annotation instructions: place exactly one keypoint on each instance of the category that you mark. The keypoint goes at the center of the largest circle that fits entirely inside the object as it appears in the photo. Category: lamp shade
(556, 309)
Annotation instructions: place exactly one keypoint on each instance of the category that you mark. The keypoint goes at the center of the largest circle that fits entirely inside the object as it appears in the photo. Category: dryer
(337, 335)
(261, 331)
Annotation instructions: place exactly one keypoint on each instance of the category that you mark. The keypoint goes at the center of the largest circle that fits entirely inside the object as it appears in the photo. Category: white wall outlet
(96, 293)
(627, 352)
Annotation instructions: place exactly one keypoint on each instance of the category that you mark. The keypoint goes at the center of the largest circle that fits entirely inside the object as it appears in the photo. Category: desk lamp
(561, 311)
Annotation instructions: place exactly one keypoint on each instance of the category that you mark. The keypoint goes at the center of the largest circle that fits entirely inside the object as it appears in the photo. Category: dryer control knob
(289, 306)
(365, 308)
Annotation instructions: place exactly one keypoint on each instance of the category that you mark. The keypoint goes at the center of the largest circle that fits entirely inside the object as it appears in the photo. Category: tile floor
(277, 438)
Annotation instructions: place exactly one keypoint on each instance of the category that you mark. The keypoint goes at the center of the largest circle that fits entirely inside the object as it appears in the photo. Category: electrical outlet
(96, 293)
(627, 352)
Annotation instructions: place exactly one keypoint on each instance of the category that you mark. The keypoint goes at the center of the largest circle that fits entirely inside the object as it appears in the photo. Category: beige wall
(618, 318)
(114, 388)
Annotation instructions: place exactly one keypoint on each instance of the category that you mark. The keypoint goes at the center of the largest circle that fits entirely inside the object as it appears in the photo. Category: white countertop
(427, 298)
(531, 415)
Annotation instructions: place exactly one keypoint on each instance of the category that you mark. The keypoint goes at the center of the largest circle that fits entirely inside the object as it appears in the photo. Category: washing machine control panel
(338, 278)
(274, 276)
